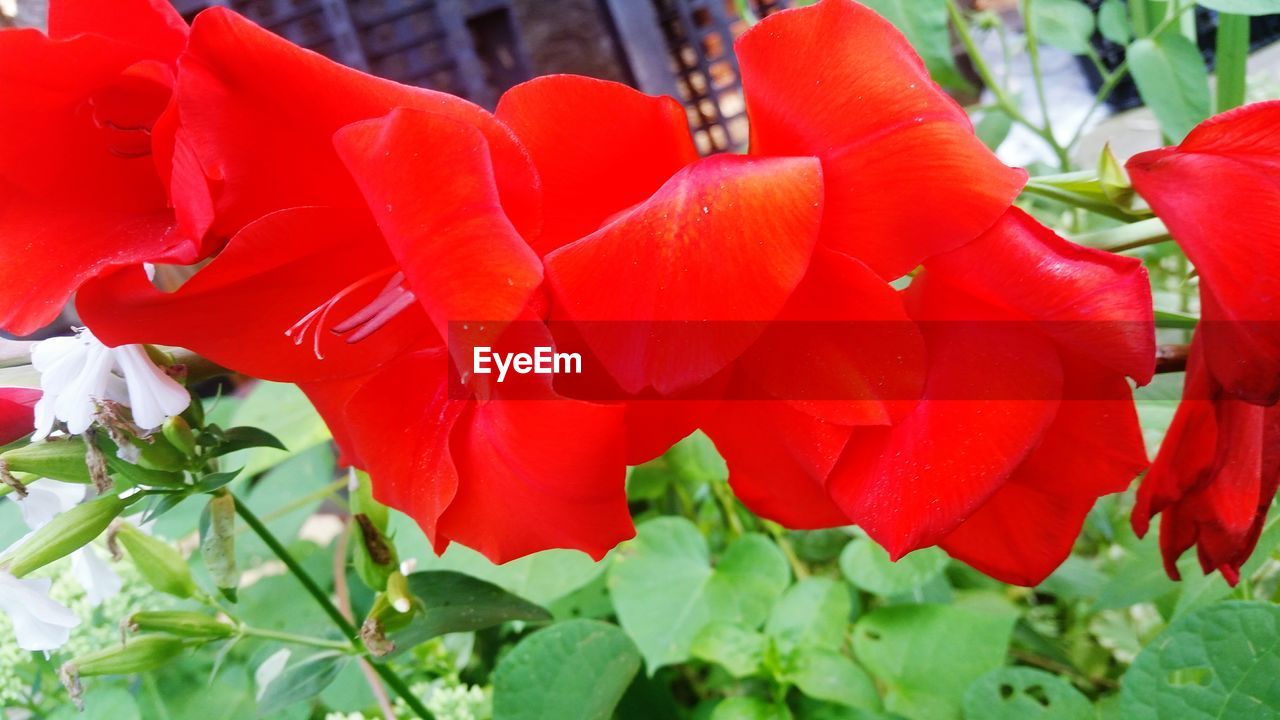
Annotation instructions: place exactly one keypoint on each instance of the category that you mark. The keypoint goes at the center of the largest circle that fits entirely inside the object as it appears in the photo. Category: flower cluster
(852, 310)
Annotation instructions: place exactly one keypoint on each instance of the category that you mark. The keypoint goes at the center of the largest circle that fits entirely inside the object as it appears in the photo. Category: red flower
(81, 171)
(17, 413)
(1215, 475)
(1218, 193)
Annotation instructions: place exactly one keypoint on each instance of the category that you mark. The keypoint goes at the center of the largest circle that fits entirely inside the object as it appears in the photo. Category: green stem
(1232, 60)
(290, 638)
(1127, 237)
(393, 681)
(725, 497)
(1140, 17)
(1033, 53)
(1084, 202)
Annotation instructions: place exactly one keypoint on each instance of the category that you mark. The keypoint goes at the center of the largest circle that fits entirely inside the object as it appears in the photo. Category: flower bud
(386, 617)
(54, 459)
(218, 543)
(160, 454)
(398, 592)
(146, 652)
(159, 564)
(183, 624)
(63, 535)
(178, 433)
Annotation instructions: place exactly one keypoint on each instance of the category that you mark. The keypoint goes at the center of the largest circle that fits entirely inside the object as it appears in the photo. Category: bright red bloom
(1219, 195)
(1215, 476)
(81, 176)
(17, 413)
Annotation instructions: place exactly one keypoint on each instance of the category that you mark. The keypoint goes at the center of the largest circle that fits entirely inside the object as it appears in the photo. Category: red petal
(991, 393)
(153, 26)
(1219, 195)
(1090, 301)
(17, 418)
(235, 311)
(460, 254)
(906, 177)
(600, 148)
(726, 240)
(260, 113)
(1094, 447)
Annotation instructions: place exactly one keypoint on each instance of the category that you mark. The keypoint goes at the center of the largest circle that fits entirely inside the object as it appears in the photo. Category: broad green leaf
(101, 703)
(927, 655)
(1066, 24)
(1219, 662)
(737, 650)
(814, 612)
(246, 438)
(665, 589)
(1173, 81)
(284, 412)
(298, 682)
(1020, 693)
(993, 127)
(825, 674)
(575, 669)
(1243, 7)
(449, 602)
(924, 22)
(1113, 21)
(749, 708)
(867, 566)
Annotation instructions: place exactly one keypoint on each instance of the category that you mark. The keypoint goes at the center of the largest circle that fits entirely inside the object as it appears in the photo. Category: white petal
(47, 353)
(77, 404)
(46, 499)
(39, 623)
(44, 418)
(97, 578)
(153, 395)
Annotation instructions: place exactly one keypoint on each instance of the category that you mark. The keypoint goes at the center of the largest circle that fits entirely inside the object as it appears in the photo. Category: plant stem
(726, 500)
(1075, 199)
(1127, 237)
(393, 681)
(1033, 54)
(1140, 17)
(1232, 60)
(284, 637)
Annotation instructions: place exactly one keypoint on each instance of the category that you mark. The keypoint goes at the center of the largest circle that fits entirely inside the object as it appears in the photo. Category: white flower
(79, 373)
(39, 623)
(9, 8)
(44, 501)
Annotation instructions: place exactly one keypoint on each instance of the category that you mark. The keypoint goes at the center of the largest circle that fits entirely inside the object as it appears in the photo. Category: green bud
(385, 617)
(54, 459)
(178, 433)
(218, 543)
(160, 454)
(183, 624)
(158, 563)
(65, 534)
(398, 592)
(1116, 185)
(145, 652)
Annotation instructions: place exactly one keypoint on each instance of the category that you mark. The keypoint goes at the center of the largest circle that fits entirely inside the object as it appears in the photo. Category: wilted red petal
(1093, 447)
(153, 26)
(1091, 302)
(726, 240)
(600, 147)
(17, 416)
(461, 256)
(275, 272)
(259, 113)
(906, 177)
(1219, 195)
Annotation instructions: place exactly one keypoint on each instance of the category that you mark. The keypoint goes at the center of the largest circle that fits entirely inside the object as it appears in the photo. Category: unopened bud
(178, 433)
(218, 543)
(398, 592)
(160, 564)
(388, 618)
(160, 454)
(146, 652)
(183, 624)
(66, 533)
(61, 459)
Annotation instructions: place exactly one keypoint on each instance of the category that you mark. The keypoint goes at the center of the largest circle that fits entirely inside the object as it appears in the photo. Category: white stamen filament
(389, 303)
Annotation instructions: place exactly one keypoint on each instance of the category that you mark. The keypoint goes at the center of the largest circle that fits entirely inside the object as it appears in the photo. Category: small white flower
(39, 623)
(99, 581)
(9, 8)
(79, 373)
(44, 501)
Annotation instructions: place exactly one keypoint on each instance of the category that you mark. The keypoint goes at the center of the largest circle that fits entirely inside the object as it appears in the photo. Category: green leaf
(284, 412)
(749, 708)
(825, 674)
(735, 649)
(575, 669)
(814, 612)
(665, 589)
(1019, 693)
(1066, 24)
(993, 127)
(1243, 7)
(449, 602)
(246, 438)
(867, 566)
(924, 22)
(1219, 662)
(927, 655)
(1173, 81)
(298, 682)
(1113, 21)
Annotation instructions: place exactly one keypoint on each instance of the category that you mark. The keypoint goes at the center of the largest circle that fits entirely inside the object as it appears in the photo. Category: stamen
(385, 307)
(386, 297)
(315, 319)
(386, 315)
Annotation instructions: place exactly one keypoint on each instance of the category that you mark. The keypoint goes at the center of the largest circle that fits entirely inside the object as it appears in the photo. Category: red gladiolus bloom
(1219, 196)
(1215, 476)
(17, 413)
(82, 163)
